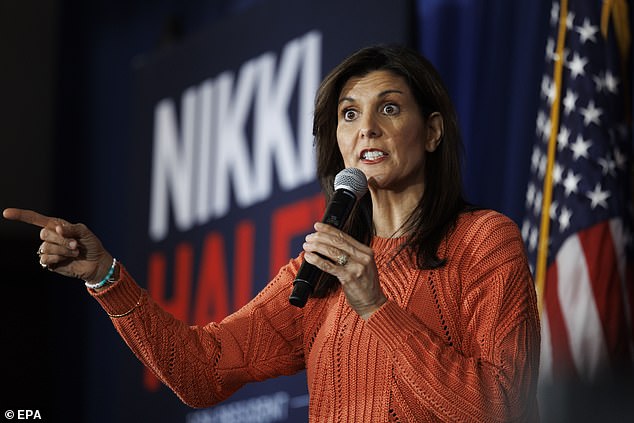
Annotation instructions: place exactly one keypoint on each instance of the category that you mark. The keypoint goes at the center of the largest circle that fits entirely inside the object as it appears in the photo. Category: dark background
(66, 75)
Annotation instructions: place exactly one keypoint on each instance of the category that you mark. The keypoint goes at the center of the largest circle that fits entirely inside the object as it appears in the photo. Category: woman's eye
(349, 114)
(390, 109)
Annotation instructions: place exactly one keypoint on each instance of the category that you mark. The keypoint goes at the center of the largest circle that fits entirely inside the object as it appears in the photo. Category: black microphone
(350, 185)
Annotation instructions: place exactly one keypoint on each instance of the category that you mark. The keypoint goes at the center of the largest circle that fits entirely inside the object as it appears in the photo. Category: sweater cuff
(122, 296)
(390, 324)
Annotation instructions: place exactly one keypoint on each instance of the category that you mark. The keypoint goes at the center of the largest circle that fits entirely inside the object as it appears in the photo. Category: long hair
(442, 200)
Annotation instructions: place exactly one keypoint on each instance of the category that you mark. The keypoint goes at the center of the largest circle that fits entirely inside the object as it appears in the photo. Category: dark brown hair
(443, 199)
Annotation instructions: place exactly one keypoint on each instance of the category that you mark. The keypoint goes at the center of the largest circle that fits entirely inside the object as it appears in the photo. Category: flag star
(541, 122)
(611, 82)
(553, 210)
(533, 238)
(530, 194)
(570, 20)
(546, 130)
(535, 158)
(554, 14)
(580, 148)
(570, 183)
(537, 205)
(577, 65)
(545, 84)
(606, 81)
(562, 138)
(608, 166)
(551, 53)
(570, 101)
(549, 90)
(598, 197)
(526, 227)
(564, 219)
(543, 162)
(558, 172)
(587, 31)
(591, 114)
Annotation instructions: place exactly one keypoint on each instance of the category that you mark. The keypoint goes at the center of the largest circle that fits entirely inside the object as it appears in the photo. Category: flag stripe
(603, 270)
(579, 309)
(562, 361)
(546, 350)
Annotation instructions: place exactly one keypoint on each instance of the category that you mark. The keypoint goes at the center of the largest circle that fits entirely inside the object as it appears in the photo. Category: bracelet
(114, 316)
(106, 278)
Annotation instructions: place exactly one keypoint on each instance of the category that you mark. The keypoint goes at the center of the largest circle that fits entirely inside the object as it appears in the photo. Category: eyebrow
(381, 94)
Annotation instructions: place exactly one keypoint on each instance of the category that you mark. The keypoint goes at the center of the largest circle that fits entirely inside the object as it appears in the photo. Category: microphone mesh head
(353, 180)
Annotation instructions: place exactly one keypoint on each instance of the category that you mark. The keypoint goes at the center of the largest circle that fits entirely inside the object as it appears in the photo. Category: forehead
(372, 84)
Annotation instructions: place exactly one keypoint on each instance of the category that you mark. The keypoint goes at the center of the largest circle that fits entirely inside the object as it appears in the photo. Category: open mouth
(372, 155)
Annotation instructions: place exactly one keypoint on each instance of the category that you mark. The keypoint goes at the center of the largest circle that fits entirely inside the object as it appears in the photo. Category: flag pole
(544, 228)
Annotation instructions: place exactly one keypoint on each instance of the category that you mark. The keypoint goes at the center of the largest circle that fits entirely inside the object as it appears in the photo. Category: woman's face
(380, 130)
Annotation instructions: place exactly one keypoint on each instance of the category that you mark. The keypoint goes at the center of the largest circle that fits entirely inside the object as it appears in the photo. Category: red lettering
(178, 305)
(212, 296)
(243, 264)
(291, 221)
(212, 291)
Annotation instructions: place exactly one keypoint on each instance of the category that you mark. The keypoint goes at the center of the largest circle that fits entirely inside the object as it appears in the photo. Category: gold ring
(342, 260)
(40, 252)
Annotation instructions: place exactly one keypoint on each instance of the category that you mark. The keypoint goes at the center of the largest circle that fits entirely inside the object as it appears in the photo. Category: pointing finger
(28, 216)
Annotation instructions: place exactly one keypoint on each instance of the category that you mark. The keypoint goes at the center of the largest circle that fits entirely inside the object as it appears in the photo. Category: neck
(390, 211)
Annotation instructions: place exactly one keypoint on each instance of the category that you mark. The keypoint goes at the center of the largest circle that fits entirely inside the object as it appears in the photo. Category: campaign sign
(222, 184)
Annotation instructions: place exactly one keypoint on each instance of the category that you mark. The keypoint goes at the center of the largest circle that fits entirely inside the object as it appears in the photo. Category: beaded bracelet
(105, 280)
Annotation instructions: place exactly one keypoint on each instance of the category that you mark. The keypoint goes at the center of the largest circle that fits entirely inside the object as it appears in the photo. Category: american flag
(577, 227)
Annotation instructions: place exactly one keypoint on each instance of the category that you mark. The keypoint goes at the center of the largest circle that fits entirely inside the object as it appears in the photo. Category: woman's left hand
(351, 262)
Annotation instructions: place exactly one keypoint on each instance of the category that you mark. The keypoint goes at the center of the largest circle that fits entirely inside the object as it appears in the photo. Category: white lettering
(172, 167)
(273, 143)
(206, 138)
(232, 155)
(195, 170)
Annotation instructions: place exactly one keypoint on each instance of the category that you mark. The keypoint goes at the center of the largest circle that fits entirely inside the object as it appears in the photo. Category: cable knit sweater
(458, 343)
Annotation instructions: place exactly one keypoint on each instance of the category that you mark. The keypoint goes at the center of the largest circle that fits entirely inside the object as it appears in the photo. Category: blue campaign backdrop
(490, 53)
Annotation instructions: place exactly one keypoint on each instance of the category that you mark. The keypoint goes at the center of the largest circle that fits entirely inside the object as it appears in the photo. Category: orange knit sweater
(459, 343)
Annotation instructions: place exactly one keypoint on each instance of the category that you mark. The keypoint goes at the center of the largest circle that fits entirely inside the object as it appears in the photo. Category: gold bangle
(138, 303)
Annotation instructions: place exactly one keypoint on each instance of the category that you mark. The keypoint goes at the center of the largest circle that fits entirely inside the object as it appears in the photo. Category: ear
(435, 131)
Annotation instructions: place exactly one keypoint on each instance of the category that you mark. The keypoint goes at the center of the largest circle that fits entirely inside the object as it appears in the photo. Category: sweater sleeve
(485, 368)
(205, 364)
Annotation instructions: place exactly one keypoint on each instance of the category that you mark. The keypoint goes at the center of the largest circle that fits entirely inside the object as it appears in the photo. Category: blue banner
(222, 185)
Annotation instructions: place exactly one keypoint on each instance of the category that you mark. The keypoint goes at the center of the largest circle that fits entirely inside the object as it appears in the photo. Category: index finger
(28, 216)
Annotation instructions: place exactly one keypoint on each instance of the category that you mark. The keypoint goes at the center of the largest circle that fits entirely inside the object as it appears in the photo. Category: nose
(369, 127)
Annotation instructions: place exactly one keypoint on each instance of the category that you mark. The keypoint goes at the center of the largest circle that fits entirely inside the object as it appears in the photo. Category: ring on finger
(39, 251)
(342, 259)
(44, 265)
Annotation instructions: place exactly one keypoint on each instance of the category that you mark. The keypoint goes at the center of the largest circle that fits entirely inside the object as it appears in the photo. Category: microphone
(350, 185)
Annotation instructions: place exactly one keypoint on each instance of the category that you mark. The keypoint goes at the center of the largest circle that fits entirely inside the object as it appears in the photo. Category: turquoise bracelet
(105, 280)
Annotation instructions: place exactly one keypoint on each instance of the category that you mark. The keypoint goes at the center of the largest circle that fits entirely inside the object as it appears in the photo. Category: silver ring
(44, 265)
(40, 252)
(342, 260)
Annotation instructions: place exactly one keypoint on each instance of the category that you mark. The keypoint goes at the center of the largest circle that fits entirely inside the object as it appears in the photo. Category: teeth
(372, 155)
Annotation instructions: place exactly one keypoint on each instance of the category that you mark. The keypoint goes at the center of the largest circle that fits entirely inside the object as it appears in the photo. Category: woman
(431, 317)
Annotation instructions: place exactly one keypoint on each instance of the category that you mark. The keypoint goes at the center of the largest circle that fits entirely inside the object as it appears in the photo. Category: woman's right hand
(68, 249)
